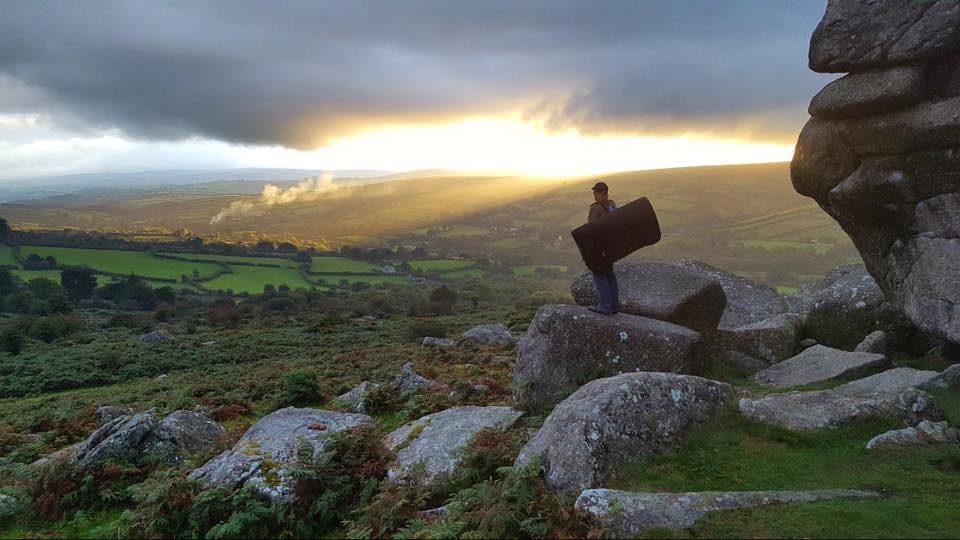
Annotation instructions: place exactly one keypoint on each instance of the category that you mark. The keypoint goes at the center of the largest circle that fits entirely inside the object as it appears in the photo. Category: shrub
(54, 327)
(12, 340)
(300, 387)
(223, 312)
(422, 328)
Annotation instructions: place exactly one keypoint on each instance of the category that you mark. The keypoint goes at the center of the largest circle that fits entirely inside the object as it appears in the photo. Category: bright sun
(511, 146)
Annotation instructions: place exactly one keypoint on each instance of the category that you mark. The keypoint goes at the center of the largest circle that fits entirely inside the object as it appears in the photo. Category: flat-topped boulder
(629, 514)
(891, 381)
(877, 91)
(925, 433)
(747, 302)
(820, 364)
(437, 440)
(265, 454)
(610, 422)
(663, 292)
(824, 409)
(771, 340)
(567, 346)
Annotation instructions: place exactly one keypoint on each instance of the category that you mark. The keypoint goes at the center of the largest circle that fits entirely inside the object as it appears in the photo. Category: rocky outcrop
(106, 413)
(747, 302)
(496, 335)
(409, 381)
(925, 433)
(180, 434)
(820, 364)
(356, 398)
(629, 514)
(847, 305)
(800, 411)
(436, 441)
(264, 455)
(881, 154)
(609, 422)
(567, 346)
(663, 292)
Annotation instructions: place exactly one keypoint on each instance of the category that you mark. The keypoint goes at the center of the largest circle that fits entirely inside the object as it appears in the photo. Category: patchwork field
(141, 263)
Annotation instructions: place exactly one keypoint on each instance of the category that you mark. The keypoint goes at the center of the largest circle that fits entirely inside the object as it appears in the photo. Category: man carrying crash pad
(611, 234)
(604, 278)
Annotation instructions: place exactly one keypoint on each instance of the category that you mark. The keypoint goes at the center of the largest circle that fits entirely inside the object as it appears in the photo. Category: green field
(468, 273)
(341, 264)
(6, 256)
(234, 259)
(440, 265)
(251, 279)
(141, 263)
(529, 269)
(52, 275)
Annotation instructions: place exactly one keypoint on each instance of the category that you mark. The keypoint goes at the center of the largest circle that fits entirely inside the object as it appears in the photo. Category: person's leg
(614, 292)
(602, 282)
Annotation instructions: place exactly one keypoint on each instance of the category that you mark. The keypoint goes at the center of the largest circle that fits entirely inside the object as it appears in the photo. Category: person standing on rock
(605, 279)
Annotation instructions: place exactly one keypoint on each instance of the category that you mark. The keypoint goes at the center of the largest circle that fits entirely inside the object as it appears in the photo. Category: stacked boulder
(881, 153)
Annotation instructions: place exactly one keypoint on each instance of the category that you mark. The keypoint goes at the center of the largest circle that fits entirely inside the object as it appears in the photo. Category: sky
(539, 87)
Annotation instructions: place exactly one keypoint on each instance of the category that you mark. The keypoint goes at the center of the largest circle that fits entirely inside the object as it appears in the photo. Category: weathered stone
(854, 36)
(264, 455)
(356, 399)
(158, 336)
(846, 305)
(799, 411)
(119, 437)
(875, 343)
(820, 364)
(410, 381)
(437, 440)
(185, 432)
(948, 378)
(609, 422)
(438, 342)
(821, 159)
(496, 335)
(106, 413)
(567, 346)
(925, 433)
(806, 343)
(772, 340)
(930, 124)
(891, 381)
(877, 91)
(742, 363)
(927, 291)
(663, 292)
(747, 302)
(629, 514)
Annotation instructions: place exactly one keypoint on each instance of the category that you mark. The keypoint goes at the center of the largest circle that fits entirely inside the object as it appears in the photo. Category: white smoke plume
(309, 189)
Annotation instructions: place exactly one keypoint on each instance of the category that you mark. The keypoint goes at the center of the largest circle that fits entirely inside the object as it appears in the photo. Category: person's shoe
(596, 309)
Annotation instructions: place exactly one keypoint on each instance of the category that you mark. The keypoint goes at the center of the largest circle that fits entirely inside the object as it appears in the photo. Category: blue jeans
(606, 283)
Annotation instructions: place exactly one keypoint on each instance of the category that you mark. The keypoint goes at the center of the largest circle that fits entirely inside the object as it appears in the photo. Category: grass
(819, 249)
(141, 263)
(252, 279)
(6, 256)
(529, 269)
(440, 265)
(228, 259)
(919, 486)
(342, 264)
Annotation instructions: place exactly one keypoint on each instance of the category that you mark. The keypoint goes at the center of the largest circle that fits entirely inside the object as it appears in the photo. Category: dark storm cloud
(297, 73)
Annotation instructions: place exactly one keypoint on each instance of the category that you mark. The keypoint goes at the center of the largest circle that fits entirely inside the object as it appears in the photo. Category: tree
(286, 247)
(9, 283)
(79, 282)
(444, 297)
(303, 257)
(4, 228)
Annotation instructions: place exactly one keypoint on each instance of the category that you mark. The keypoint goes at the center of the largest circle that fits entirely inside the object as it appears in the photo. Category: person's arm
(596, 212)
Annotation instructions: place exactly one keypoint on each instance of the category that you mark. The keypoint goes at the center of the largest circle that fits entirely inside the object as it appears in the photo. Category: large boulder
(846, 305)
(496, 335)
(567, 346)
(825, 409)
(265, 454)
(436, 441)
(890, 173)
(747, 302)
(663, 292)
(186, 432)
(612, 421)
(629, 514)
(771, 340)
(118, 438)
(820, 364)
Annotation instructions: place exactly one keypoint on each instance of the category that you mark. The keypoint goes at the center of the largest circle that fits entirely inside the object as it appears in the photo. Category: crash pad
(606, 240)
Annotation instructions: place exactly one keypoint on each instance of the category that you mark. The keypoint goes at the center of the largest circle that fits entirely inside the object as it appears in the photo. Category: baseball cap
(601, 187)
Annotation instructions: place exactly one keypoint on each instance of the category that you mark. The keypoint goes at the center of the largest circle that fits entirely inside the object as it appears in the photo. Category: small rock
(609, 422)
(875, 343)
(491, 334)
(502, 360)
(436, 441)
(356, 399)
(772, 340)
(409, 381)
(438, 342)
(799, 411)
(630, 514)
(161, 377)
(106, 413)
(820, 364)
(208, 343)
(157, 336)
(925, 433)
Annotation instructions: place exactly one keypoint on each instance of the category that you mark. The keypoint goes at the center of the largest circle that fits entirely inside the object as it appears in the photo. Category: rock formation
(881, 153)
